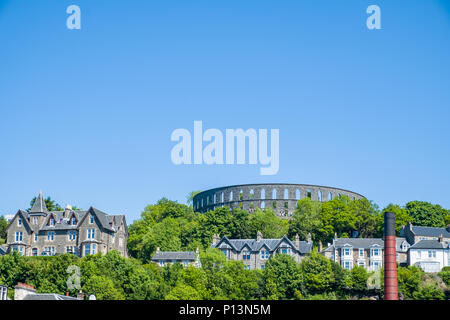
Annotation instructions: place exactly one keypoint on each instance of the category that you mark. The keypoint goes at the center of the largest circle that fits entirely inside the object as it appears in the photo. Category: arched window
(297, 194)
(319, 195)
(274, 193)
(222, 197)
(263, 204)
(308, 193)
(252, 194)
(330, 196)
(241, 195)
(215, 199)
(286, 194)
(263, 193)
(231, 195)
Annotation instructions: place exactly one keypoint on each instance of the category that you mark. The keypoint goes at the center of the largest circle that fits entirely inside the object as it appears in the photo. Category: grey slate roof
(3, 249)
(39, 205)
(430, 231)
(174, 255)
(106, 221)
(48, 296)
(428, 244)
(60, 222)
(270, 244)
(398, 244)
(363, 243)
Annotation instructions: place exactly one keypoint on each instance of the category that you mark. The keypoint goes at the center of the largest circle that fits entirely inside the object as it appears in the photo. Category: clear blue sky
(86, 115)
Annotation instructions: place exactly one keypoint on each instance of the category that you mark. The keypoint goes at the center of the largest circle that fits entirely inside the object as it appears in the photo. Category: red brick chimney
(390, 263)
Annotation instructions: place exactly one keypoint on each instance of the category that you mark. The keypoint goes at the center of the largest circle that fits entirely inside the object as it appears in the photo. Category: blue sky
(86, 115)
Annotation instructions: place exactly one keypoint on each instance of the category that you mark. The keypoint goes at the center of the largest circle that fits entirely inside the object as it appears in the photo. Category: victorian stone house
(255, 252)
(186, 258)
(42, 232)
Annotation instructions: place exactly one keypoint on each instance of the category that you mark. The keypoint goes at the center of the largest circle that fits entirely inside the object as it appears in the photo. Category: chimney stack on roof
(22, 290)
(259, 236)
(216, 239)
(67, 211)
(297, 241)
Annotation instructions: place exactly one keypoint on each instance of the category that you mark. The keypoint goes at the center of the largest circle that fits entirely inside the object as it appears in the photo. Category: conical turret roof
(39, 205)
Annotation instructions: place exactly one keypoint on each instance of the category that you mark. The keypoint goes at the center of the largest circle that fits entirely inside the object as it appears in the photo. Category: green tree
(306, 218)
(401, 218)
(409, 280)
(366, 217)
(359, 280)
(445, 275)
(183, 292)
(270, 225)
(425, 214)
(103, 288)
(190, 197)
(3, 225)
(282, 278)
(317, 273)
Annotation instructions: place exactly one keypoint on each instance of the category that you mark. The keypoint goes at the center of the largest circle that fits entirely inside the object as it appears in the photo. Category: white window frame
(19, 236)
(50, 235)
(361, 250)
(19, 221)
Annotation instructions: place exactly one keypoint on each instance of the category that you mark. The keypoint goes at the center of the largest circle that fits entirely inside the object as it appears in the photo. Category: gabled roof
(255, 245)
(62, 223)
(362, 243)
(430, 231)
(174, 255)
(39, 205)
(428, 244)
(398, 243)
(25, 221)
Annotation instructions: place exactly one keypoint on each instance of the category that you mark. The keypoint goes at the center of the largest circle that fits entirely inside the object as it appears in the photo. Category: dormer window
(19, 222)
(35, 220)
(51, 222)
(73, 221)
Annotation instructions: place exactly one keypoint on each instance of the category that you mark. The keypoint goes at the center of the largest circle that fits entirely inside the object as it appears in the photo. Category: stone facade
(281, 197)
(351, 252)
(40, 232)
(414, 234)
(186, 258)
(255, 252)
(365, 252)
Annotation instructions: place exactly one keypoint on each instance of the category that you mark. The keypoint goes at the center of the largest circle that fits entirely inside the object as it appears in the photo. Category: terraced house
(255, 252)
(42, 232)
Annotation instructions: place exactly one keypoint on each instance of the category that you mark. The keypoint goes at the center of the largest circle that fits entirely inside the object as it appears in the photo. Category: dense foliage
(173, 226)
(112, 277)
